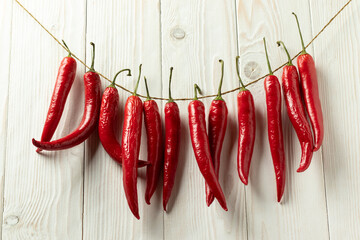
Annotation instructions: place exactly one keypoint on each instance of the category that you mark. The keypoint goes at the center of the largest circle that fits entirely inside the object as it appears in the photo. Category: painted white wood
(42, 192)
(336, 58)
(302, 213)
(127, 33)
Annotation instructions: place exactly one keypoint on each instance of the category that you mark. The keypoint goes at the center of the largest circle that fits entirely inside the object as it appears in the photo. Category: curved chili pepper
(310, 91)
(131, 138)
(275, 133)
(201, 147)
(64, 81)
(172, 140)
(247, 126)
(296, 111)
(90, 117)
(217, 127)
(107, 120)
(154, 137)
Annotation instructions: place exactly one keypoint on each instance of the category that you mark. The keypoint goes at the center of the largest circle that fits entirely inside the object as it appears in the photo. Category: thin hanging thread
(182, 99)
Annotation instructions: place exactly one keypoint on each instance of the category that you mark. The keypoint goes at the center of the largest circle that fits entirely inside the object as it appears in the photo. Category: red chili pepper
(90, 117)
(310, 91)
(172, 140)
(201, 147)
(247, 126)
(154, 137)
(275, 133)
(131, 138)
(296, 111)
(217, 127)
(107, 120)
(64, 81)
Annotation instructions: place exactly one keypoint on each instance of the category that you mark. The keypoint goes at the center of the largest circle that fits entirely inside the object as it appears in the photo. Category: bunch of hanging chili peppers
(163, 156)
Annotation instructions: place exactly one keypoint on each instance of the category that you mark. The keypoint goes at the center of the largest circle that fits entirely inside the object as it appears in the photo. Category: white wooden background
(78, 193)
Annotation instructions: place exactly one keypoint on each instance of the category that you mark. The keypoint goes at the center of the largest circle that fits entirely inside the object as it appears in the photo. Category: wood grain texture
(337, 62)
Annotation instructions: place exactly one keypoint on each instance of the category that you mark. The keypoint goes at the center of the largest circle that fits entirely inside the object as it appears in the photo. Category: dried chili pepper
(296, 111)
(90, 116)
(64, 81)
(310, 91)
(247, 126)
(172, 140)
(217, 127)
(107, 120)
(275, 132)
(154, 145)
(131, 138)
(201, 147)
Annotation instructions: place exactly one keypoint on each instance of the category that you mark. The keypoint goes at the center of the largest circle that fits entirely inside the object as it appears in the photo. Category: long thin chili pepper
(217, 127)
(172, 142)
(90, 117)
(296, 111)
(154, 145)
(64, 81)
(247, 126)
(201, 147)
(131, 138)
(275, 132)
(107, 121)
(310, 91)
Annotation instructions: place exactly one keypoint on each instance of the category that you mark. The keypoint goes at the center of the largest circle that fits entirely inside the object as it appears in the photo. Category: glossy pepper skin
(296, 112)
(201, 147)
(107, 122)
(275, 132)
(216, 131)
(131, 138)
(310, 91)
(154, 145)
(64, 81)
(172, 145)
(247, 128)
(89, 120)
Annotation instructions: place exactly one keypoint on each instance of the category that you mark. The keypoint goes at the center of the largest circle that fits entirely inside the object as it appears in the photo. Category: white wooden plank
(302, 214)
(127, 33)
(209, 34)
(42, 193)
(336, 58)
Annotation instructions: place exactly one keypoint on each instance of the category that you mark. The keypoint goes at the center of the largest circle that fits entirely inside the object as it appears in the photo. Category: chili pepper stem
(147, 90)
(170, 77)
(242, 86)
(113, 82)
(92, 58)
(267, 58)
(196, 89)
(67, 48)
(137, 83)
(279, 43)
(219, 97)
(301, 37)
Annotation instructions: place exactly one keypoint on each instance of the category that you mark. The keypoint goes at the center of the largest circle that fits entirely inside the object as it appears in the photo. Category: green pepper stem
(301, 37)
(279, 43)
(238, 73)
(170, 77)
(137, 83)
(218, 97)
(67, 48)
(196, 89)
(147, 90)
(267, 58)
(113, 81)
(92, 58)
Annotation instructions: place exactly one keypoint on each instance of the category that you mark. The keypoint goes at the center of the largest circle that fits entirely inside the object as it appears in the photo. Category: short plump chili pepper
(217, 127)
(107, 122)
(275, 132)
(310, 91)
(131, 138)
(201, 147)
(90, 117)
(64, 81)
(296, 111)
(172, 144)
(247, 126)
(154, 144)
